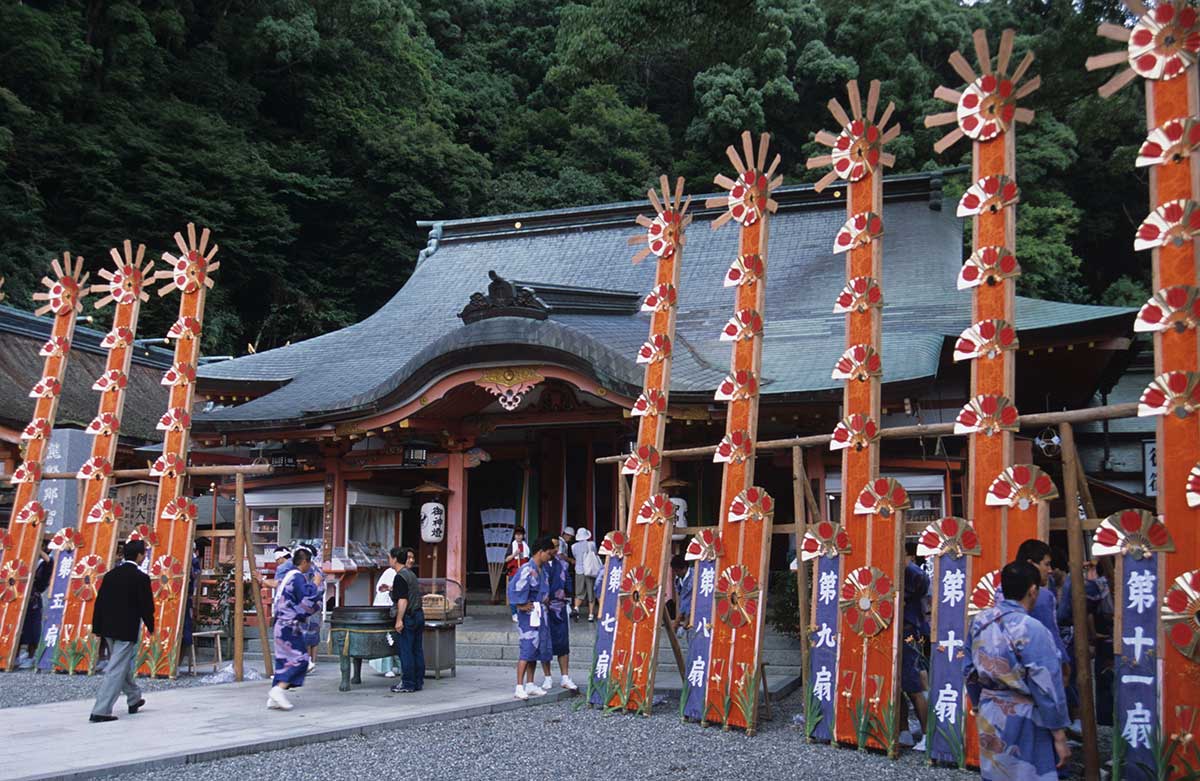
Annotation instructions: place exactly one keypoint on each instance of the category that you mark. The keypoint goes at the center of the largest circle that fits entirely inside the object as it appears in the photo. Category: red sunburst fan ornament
(168, 464)
(179, 374)
(859, 295)
(867, 600)
(987, 414)
(46, 388)
(884, 496)
(642, 461)
(824, 539)
(745, 324)
(33, 513)
(988, 266)
(990, 194)
(1021, 486)
(1138, 533)
(95, 468)
(1193, 487)
(145, 533)
(86, 576)
(860, 362)
(745, 270)
(55, 347)
(652, 402)
(166, 578)
(193, 267)
(1175, 222)
(68, 539)
(117, 338)
(614, 544)
(14, 575)
(738, 385)
(858, 231)
(128, 281)
(1163, 43)
(737, 596)
(856, 431)
(657, 510)
(184, 328)
(949, 536)
(734, 448)
(105, 424)
(7, 542)
(752, 505)
(1181, 614)
(38, 428)
(1173, 308)
(750, 195)
(983, 595)
(660, 299)
(985, 339)
(175, 419)
(1172, 393)
(655, 350)
(111, 380)
(665, 232)
(105, 511)
(65, 293)
(27, 472)
(705, 546)
(639, 593)
(181, 510)
(987, 106)
(857, 150)
(1174, 141)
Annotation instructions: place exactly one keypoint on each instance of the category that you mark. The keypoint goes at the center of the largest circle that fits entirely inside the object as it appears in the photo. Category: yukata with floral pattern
(312, 627)
(531, 585)
(558, 610)
(296, 598)
(1015, 680)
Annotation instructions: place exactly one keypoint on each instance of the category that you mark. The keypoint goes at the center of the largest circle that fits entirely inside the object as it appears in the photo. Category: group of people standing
(538, 594)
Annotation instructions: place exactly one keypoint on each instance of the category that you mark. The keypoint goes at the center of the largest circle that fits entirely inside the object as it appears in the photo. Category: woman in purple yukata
(558, 614)
(296, 598)
(529, 593)
(1014, 680)
(312, 627)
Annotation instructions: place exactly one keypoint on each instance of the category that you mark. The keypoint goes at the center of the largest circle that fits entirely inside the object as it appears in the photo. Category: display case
(264, 533)
(444, 605)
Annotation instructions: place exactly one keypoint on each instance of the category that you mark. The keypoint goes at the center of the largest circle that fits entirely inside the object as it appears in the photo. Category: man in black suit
(123, 603)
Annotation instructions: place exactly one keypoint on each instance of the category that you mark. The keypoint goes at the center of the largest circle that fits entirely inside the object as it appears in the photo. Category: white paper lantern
(433, 522)
(681, 507)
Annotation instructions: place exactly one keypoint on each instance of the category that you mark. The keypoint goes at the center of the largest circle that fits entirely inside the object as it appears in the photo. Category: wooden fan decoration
(1176, 308)
(1175, 394)
(987, 111)
(63, 297)
(190, 273)
(126, 285)
(868, 601)
(824, 540)
(739, 385)
(1137, 533)
(1181, 614)
(1172, 142)
(859, 160)
(949, 536)
(1021, 486)
(983, 595)
(637, 565)
(987, 415)
(1174, 224)
(728, 678)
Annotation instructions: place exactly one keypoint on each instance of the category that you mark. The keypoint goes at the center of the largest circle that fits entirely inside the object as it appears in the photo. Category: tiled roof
(358, 366)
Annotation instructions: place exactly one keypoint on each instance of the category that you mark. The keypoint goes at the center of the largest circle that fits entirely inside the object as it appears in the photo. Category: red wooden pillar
(456, 520)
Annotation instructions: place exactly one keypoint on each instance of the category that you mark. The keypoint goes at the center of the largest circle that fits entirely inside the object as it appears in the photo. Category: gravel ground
(555, 738)
(27, 688)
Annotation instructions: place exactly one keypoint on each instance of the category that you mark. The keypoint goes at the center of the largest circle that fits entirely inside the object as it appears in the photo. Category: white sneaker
(920, 746)
(533, 690)
(520, 693)
(311, 665)
(390, 674)
(548, 684)
(568, 684)
(279, 697)
(514, 618)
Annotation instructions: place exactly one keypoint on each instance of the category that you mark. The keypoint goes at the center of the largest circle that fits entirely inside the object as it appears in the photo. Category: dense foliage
(311, 135)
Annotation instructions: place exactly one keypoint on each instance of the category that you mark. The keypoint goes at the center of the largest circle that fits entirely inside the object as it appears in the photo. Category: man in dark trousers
(122, 604)
(409, 621)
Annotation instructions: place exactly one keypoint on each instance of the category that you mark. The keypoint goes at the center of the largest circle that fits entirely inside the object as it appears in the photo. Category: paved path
(194, 725)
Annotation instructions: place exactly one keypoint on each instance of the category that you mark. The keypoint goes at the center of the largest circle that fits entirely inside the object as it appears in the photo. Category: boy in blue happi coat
(529, 592)
(558, 613)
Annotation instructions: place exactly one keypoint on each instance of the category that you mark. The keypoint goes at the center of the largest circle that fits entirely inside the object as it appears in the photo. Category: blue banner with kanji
(700, 640)
(1136, 668)
(947, 653)
(822, 655)
(606, 626)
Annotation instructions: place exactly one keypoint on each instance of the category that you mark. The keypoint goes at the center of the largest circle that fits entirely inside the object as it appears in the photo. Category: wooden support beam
(239, 584)
(1083, 656)
(799, 503)
(264, 631)
(192, 471)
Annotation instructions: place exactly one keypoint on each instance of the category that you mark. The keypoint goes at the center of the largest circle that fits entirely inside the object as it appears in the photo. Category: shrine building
(505, 365)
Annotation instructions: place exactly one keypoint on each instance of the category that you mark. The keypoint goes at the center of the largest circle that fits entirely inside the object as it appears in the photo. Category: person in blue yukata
(296, 598)
(916, 638)
(529, 593)
(312, 627)
(679, 610)
(1014, 681)
(559, 617)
